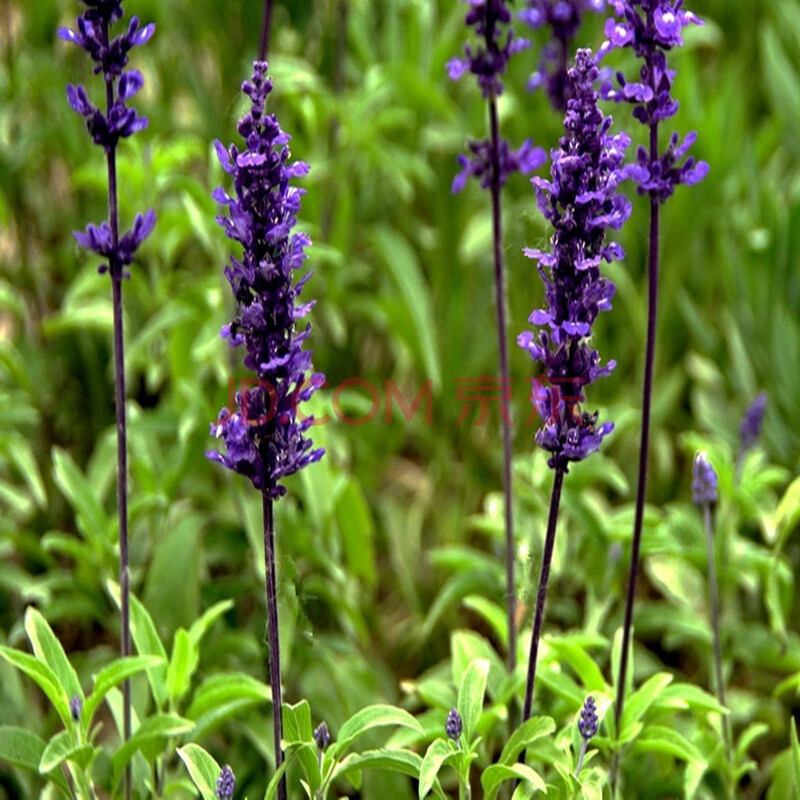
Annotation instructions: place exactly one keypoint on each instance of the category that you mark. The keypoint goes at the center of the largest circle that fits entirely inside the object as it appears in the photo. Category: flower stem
(115, 272)
(272, 633)
(644, 445)
(544, 577)
(505, 379)
(714, 600)
(266, 24)
(584, 747)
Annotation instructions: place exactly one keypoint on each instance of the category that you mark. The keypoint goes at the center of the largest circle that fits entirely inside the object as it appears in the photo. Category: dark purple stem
(644, 446)
(115, 271)
(273, 635)
(266, 25)
(713, 593)
(541, 595)
(505, 380)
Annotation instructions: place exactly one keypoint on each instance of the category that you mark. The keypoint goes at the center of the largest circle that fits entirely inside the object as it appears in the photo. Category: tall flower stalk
(492, 161)
(582, 203)
(266, 30)
(265, 436)
(563, 18)
(107, 126)
(651, 28)
(704, 495)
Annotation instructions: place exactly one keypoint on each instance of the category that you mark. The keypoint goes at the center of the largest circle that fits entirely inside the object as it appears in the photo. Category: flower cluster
(588, 723)
(581, 201)
(453, 725)
(491, 20)
(652, 28)
(753, 421)
(265, 437)
(704, 481)
(322, 735)
(563, 18)
(118, 121)
(226, 783)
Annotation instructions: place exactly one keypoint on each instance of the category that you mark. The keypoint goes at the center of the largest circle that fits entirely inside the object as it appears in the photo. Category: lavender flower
(453, 725)
(563, 18)
(75, 707)
(226, 783)
(651, 34)
(322, 736)
(118, 121)
(704, 481)
(265, 438)
(752, 422)
(587, 724)
(582, 202)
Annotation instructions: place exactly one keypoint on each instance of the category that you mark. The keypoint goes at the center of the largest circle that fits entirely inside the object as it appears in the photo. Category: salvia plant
(562, 19)
(492, 161)
(266, 436)
(107, 123)
(582, 202)
(356, 563)
(651, 28)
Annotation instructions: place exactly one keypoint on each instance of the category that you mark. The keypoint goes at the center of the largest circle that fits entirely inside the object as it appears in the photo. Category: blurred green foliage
(383, 545)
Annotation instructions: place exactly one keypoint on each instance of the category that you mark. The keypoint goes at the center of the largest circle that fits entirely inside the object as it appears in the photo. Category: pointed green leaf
(638, 703)
(43, 676)
(202, 768)
(112, 675)
(61, 748)
(201, 626)
(48, 649)
(661, 739)
(435, 757)
(530, 730)
(182, 666)
(219, 690)
(90, 516)
(470, 695)
(21, 748)
(297, 725)
(494, 776)
(373, 717)
(404, 761)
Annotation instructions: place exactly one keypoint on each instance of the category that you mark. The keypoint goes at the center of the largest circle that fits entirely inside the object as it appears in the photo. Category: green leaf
(155, 728)
(356, 527)
(91, 519)
(748, 736)
(376, 716)
(148, 643)
(44, 677)
(182, 666)
(21, 748)
(582, 664)
(201, 626)
(404, 761)
(290, 755)
(435, 757)
(219, 690)
(202, 768)
(470, 695)
(297, 726)
(494, 776)
(48, 649)
(492, 614)
(666, 740)
(112, 675)
(61, 748)
(638, 703)
(530, 730)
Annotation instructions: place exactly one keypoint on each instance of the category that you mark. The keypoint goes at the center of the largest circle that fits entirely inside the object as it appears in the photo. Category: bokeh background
(383, 545)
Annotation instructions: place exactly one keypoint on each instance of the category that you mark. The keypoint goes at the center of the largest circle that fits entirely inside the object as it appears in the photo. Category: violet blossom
(265, 437)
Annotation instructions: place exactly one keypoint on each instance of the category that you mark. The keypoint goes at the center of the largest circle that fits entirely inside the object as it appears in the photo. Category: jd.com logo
(481, 392)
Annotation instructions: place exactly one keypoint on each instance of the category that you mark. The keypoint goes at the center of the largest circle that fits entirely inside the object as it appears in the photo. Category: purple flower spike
(226, 784)
(753, 421)
(704, 481)
(266, 437)
(564, 19)
(582, 201)
(652, 28)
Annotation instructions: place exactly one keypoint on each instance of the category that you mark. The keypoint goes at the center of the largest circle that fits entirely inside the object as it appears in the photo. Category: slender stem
(505, 379)
(714, 600)
(644, 446)
(266, 25)
(115, 271)
(274, 644)
(582, 755)
(544, 577)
